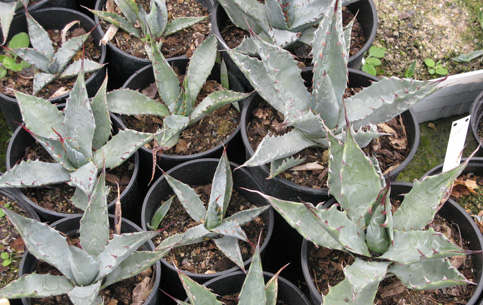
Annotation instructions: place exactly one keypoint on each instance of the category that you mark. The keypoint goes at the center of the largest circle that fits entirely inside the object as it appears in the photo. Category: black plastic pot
(121, 64)
(232, 283)
(142, 79)
(130, 197)
(450, 211)
(70, 226)
(476, 116)
(365, 11)
(53, 18)
(201, 172)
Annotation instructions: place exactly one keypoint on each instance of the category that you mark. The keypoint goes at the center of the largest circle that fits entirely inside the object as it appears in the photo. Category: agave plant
(278, 81)
(223, 231)
(7, 11)
(98, 263)
(179, 110)
(152, 25)
(278, 22)
(78, 139)
(52, 64)
(363, 224)
(254, 290)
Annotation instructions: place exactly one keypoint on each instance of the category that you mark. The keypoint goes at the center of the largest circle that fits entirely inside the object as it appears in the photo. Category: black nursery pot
(232, 283)
(201, 172)
(450, 211)
(234, 146)
(130, 201)
(53, 18)
(70, 227)
(476, 116)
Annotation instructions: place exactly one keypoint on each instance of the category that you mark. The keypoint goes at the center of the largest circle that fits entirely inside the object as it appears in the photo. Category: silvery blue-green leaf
(39, 38)
(119, 248)
(336, 152)
(160, 213)
(253, 289)
(247, 47)
(41, 80)
(281, 165)
(180, 23)
(386, 99)
(132, 102)
(221, 189)
(379, 223)
(40, 115)
(173, 125)
(307, 35)
(74, 68)
(85, 295)
(36, 285)
(79, 199)
(283, 38)
(84, 178)
(215, 101)
(134, 264)
(78, 118)
(129, 9)
(43, 242)
(94, 224)
(330, 67)
(7, 11)
(200, 66)
(57, 149)
(364, 136)
(65, 53)
(347, 35)
(102, 117)
(157, 19)
(34, 58)
(310, 124)
(426, 274)
(188, 198)
(71, 149)
(277, 147)
(118, 21)
(191, 236)
(197, 293)
(231, 228)
(247, 14)
(230, 248)
(421, 203)
(84, 267)
(413, 246)
(34, 174)
(307, 13)
(121, 146)
(246, 216)
(466, 58)
(166, 79)
(275, 15)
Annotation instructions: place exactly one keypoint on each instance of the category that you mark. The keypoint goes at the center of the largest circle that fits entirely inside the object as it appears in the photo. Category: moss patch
(5, 135)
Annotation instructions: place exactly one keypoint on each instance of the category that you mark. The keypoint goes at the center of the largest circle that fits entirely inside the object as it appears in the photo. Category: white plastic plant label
(456, 143)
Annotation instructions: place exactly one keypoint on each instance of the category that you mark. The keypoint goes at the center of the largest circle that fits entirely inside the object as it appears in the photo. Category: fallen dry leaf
(312, 166)
(387, 129)
(141, 292)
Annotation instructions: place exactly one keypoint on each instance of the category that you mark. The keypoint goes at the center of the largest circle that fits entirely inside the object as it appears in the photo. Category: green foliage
(99, 262)
(7, 11)
(373, 60)
(410, 70)
(224, 231)
(7, 258)
(146, 26)
(435, 67)
(9, 60)
(363, 224)
(465, 58)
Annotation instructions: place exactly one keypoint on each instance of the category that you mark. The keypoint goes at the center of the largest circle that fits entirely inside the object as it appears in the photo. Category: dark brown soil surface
(181, 43)
(205, 257)
(23, 81)
(11, 243)
(232, 299)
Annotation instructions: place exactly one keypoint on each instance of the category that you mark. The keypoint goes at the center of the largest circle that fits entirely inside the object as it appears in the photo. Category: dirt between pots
(58, 197)
(209, 132)
(204, 257)
(22, 81)
(326, 267)
(390, 151)
(234, 35)
(180, 43)
(468, 193)
(11, 243)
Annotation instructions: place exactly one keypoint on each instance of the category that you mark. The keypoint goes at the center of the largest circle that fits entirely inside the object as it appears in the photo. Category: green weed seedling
(435, 67)
(9, 60)
(373, 59)
(7, 258)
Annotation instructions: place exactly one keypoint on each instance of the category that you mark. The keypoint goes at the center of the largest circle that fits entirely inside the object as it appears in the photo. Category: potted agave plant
(79, 141)
(155, 25)
(214, 218)
(102, 259)
(186, 104)
(384, 244)
(53, 64)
